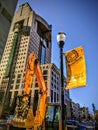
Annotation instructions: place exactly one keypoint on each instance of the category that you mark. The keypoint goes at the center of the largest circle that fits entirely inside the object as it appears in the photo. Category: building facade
(7, 8)
(68, 105)
(28, 32)
(75, 110)
(84, 112)
(53, 87)
(51, 75)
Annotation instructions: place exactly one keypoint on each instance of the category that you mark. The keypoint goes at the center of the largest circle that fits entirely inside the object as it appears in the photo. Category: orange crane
(24, 117)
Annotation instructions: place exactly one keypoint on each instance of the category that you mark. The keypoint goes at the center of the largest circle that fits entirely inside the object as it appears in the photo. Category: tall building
(52, 78)
(51, 75)
(28, 32)
(7, 8)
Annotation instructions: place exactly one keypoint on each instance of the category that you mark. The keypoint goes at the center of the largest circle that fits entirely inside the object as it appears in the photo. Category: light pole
(61, 39)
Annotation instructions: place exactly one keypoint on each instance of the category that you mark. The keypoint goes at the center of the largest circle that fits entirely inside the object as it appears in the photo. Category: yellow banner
(75, 68)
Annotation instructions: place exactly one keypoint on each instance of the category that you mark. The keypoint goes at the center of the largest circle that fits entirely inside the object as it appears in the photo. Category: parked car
(72, 125)
(87, 125)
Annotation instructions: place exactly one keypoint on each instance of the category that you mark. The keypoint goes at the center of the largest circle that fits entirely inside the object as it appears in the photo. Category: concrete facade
(7, 8)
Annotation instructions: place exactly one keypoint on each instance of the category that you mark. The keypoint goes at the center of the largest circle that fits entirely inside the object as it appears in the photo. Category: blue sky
(79, 20)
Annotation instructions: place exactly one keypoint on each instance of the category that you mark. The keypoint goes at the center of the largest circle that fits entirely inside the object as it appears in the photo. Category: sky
(79, 20)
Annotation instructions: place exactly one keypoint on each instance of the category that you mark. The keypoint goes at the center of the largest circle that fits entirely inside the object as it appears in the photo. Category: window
(47, 43)
(43, 50)
(45, 77)
(15, 94)
(45, 72)
(21, 10)
(57, 97)
(12, 81)
(6, 14)
(19, 75)
(54, 96)
(18, 80)
(42, 53)
(11, 87)
(17, 87)
(51, 95)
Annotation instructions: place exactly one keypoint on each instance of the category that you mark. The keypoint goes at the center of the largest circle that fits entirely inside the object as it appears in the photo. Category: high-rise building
(28, 32)
(7, 8)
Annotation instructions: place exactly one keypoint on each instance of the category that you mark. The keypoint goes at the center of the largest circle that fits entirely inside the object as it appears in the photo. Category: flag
(75, 68)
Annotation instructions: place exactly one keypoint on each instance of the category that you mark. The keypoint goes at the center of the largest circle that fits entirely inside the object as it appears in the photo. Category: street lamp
(61, 39)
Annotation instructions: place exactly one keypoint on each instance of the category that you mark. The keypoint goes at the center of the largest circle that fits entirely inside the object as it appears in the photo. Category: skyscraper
(7, 8)
(29, 32)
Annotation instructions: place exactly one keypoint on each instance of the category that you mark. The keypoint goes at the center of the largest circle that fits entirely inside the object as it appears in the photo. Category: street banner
(75, 68)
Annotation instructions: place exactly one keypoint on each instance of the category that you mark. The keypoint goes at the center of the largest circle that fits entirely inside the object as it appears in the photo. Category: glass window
(18, 80)
(45, 72)
(17, 86)
(43, 50)
(16, 92)
(11, 87)
(12, 81)
(19, 75)
(54, 96)
(51, 95)
(45, 77)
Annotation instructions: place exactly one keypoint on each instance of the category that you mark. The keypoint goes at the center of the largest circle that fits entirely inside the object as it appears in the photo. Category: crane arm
(23, 115)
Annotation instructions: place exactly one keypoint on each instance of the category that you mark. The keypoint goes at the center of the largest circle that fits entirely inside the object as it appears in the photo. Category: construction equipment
(24, 117)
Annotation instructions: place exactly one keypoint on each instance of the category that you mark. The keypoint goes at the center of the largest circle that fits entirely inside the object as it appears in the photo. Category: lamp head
(61, 38)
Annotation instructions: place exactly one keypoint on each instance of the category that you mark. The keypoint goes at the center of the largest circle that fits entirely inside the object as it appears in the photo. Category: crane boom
(24, 117)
